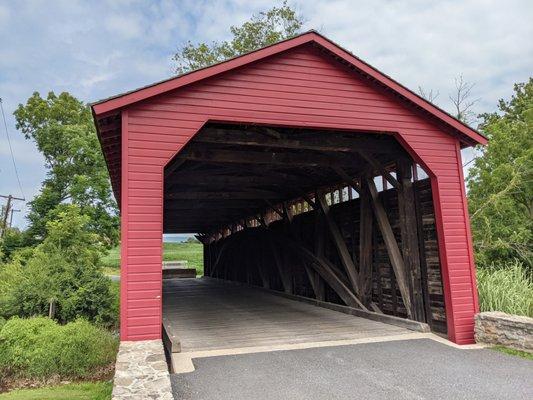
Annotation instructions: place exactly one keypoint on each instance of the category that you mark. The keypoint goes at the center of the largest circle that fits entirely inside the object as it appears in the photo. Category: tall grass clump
(508, 289)
(40, 348)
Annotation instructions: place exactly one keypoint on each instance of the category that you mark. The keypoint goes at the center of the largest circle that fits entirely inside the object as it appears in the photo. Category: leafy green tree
(261, 30)
(500, 183)
(65, 269)
(62, 128)
(12, 241)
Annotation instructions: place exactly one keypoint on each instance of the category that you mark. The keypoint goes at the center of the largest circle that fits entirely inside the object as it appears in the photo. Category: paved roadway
(409, 369)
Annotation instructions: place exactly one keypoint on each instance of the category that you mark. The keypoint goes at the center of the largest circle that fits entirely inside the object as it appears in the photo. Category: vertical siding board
(313, 91)
(124, 222)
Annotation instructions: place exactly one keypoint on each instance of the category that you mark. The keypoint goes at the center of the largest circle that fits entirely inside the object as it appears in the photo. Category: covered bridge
(303, 170)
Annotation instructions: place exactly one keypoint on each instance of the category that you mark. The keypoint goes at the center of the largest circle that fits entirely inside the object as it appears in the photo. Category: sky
(95, 49)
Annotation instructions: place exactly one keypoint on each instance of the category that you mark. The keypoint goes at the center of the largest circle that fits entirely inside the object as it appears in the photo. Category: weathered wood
(340, 244)
(237, 195)
(319, 288)
(221, 252)
(377, 166)
(409, 232)
(263, 273)
(354, 183)
(274, 208)
(393, 250)
(283, 271)
(256, 157)
(365, 245)
(316, 142)
(423, 257)
(195, 311)
(377, 268)
(208, 204)
(323, 267)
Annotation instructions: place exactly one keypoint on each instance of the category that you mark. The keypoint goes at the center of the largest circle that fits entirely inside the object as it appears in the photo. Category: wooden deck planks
(208, 315)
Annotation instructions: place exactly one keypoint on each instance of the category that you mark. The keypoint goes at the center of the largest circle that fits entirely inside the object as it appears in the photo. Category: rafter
(258, 157)
(317, 142)
(378, 166)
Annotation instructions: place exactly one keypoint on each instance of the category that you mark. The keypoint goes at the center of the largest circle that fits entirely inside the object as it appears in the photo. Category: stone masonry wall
(506, 330)
(141, 372)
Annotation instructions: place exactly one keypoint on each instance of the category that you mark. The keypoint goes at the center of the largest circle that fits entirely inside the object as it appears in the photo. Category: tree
(500, 183)
(429, 95)
(462, 100)
(261, 30)
(63, 130)
(66, 269)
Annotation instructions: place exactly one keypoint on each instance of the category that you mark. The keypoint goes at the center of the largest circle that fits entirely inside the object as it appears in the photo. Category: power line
(11, 148)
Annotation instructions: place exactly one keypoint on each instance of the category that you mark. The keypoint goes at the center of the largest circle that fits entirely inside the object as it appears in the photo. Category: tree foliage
(263, 29)
(62, 128)
(66, 269)
(500, 183)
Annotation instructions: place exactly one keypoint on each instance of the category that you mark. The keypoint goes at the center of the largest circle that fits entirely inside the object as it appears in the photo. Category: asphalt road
(411, 369)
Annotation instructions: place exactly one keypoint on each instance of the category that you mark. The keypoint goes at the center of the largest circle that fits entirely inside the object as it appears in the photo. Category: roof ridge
(311, 36)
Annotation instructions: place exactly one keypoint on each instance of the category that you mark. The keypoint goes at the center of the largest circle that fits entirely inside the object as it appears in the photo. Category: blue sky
(95, 49)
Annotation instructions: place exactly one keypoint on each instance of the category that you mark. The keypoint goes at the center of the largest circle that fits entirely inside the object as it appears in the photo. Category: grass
(39, 348)
(191, 252)
(73, 391)
(508, 289)
(514, 352)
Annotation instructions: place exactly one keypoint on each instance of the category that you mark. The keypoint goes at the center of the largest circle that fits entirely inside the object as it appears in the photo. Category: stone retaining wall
(506, 330)
(141, 372)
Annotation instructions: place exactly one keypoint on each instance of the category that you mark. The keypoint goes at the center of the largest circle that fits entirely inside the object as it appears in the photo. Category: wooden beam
(322, 267)
(315, 141)
(313, 277)
(256, 157)
(354, 183)
(202, 178)
(274, 208)
(283, 272)
(422, 252)
(319, 287)
(393, 250)
(209, 204)
(340, 244)
(236, 195)
(409, 232)
(365, 245)
(377, 166)
(261, 267)
(309, 201)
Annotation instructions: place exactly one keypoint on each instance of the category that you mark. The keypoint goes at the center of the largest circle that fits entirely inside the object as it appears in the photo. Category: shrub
(65, 268)
(40, 348)
(508, 289)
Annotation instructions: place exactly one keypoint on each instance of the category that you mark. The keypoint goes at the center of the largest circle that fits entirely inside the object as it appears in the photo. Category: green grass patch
(38, 349)
(514, 352)
(508, 289)
(74, 391)
(191, 252)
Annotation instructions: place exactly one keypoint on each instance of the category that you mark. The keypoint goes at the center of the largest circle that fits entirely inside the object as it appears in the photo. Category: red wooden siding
(301, 87)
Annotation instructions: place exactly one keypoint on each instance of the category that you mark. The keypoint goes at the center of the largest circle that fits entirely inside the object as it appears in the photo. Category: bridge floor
(205, 314)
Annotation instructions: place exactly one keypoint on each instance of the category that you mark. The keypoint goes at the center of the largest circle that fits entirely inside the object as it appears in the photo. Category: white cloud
(126, 26)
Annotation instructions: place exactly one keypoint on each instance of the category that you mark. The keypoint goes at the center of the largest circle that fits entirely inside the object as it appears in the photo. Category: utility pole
(7, 210)
(13, 211)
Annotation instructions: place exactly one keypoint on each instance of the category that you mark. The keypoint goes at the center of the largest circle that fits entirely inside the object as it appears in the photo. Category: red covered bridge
(302, 169)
